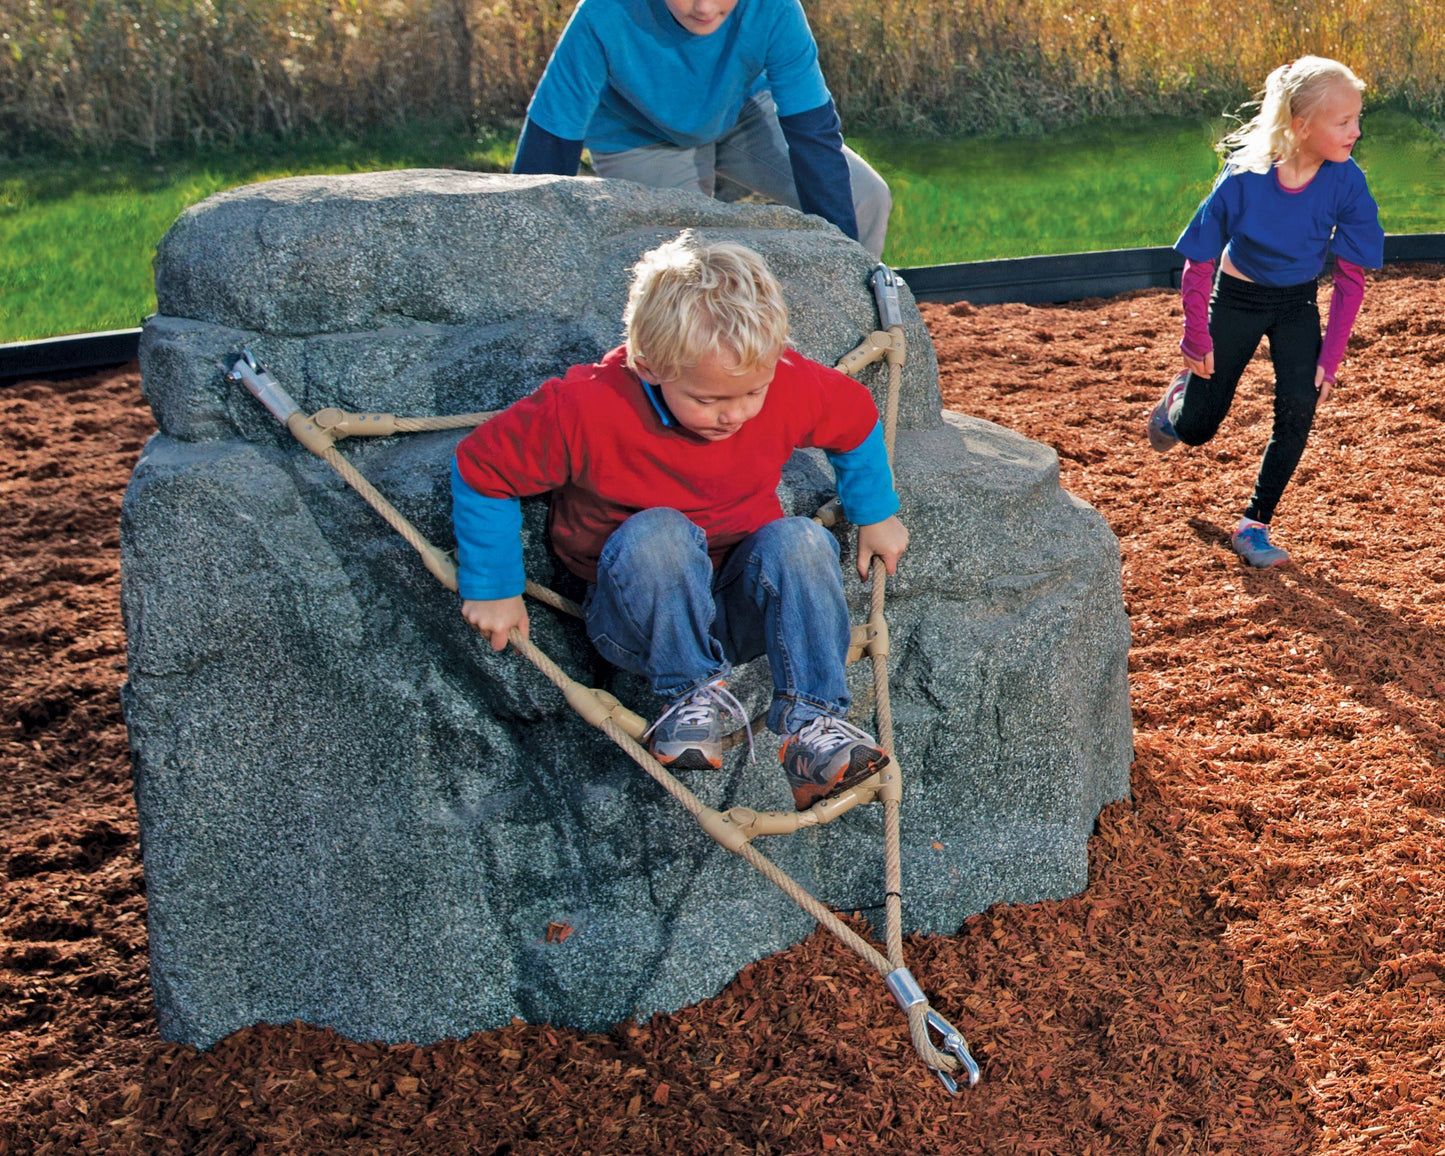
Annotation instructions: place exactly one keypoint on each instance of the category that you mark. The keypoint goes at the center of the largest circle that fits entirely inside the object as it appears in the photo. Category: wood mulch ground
(1256, 966)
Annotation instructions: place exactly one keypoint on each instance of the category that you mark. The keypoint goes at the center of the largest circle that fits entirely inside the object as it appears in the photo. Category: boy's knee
(798, 542)
(665, 538)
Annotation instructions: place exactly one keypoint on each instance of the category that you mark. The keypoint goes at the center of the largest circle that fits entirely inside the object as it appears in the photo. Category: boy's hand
(886, 539)
(1324, 387)
(493, 618)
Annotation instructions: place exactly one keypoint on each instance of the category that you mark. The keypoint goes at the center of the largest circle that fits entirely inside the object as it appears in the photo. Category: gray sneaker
(828, 755)
(1162, 437)
(688, 735)
(1251, 542)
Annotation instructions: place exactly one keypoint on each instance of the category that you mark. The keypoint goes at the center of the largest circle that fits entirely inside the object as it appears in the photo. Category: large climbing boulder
(354, 813)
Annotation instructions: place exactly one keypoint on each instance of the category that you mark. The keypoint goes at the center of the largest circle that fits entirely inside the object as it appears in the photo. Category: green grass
(76, 238)
(1108, 185)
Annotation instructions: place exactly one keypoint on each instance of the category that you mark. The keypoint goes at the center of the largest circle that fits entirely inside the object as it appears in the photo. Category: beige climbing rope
(736, 827)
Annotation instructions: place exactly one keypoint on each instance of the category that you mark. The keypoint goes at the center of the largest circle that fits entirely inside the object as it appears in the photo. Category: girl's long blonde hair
(1291, 90)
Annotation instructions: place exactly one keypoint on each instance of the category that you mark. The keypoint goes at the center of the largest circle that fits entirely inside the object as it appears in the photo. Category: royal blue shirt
(625, 74)
(1278, 236)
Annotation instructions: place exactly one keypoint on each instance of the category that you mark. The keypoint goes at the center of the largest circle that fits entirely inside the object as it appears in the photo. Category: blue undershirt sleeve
(489, 542)
(540, 152)
(572, 84)
(865, 481)
(820, 170)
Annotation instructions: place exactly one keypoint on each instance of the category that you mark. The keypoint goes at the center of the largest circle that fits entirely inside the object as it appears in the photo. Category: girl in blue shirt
(1289, 196)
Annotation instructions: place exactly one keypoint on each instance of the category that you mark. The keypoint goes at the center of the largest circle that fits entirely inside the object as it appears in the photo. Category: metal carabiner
(955, 1045)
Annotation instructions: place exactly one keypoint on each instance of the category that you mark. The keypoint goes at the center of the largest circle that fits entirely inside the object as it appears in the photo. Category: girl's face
(1331, 130)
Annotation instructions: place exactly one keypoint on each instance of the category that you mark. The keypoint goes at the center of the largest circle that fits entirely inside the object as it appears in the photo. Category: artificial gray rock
(356, 814)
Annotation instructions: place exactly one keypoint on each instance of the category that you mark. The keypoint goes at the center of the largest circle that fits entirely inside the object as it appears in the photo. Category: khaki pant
(753, 154)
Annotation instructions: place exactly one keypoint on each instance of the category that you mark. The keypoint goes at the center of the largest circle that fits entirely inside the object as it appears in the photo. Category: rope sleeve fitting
(265, 388)
(904, 988)
(890, 788)
(722, 829)
(877, 636)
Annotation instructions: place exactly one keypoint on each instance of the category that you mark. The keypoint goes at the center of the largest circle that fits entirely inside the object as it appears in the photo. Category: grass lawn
(1108, 185)
(76, 238)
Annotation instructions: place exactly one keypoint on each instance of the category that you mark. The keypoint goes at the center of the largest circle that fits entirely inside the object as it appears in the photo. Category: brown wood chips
(1257, 964)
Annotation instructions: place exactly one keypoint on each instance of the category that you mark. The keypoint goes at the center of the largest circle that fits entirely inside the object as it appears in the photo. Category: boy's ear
(644, 370)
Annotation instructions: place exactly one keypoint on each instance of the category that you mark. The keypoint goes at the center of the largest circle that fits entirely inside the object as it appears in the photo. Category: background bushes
(95, 74)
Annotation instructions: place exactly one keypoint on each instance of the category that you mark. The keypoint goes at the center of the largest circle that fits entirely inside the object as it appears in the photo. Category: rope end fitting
(885, 283)
(906, 992)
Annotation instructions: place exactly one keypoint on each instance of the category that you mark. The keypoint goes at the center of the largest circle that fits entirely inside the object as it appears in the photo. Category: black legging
(1240, 313)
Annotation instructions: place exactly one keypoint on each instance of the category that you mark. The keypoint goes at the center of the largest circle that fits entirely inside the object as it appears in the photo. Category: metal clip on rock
(885, 284)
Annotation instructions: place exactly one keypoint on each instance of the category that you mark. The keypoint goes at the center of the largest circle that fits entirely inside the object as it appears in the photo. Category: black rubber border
(73, 353)
(1026, 280)
(1077, 276)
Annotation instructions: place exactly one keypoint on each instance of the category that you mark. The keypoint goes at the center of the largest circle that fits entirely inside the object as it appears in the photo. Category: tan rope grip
(876, 345)
(598, 707)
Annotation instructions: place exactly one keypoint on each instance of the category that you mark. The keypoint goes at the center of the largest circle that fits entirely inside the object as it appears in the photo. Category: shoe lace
(826, 733)
(696, 708)
(1256, 537)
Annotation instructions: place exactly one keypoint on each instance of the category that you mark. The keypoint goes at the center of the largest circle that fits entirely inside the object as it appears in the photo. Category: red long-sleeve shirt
(597, 442)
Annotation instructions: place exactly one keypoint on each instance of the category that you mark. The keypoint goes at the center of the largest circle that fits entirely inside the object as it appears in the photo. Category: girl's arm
(1344, 307)
(1194, 287)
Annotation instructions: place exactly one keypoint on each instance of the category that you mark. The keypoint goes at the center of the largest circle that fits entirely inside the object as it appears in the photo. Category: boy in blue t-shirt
(676, 93)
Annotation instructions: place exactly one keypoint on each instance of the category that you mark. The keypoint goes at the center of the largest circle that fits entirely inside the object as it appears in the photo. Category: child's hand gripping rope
(493, 618)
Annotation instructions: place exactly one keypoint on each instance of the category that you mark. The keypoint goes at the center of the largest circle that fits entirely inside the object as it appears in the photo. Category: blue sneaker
(688, 735)
(828, 755)
(1251, 542)
(1161, 430)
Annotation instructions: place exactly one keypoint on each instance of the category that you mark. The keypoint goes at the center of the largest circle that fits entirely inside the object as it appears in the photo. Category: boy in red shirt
(663, 462)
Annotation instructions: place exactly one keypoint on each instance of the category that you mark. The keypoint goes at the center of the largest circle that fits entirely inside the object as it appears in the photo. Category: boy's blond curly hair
(690, 299)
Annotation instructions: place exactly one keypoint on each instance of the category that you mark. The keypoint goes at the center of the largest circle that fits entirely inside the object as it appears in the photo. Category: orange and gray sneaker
(688, 735)
(826, 756)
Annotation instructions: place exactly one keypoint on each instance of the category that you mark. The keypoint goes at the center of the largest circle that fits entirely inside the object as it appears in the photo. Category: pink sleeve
(1194, 287)
(1344, 306)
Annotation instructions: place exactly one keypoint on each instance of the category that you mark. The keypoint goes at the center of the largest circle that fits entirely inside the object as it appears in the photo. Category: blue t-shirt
(1276, 236)
(625, 74)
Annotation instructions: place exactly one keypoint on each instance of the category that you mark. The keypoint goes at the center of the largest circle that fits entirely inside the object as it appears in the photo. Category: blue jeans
(659, 610)
(752, 154)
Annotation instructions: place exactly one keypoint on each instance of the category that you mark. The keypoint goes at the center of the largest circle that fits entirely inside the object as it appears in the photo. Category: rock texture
(353, 813)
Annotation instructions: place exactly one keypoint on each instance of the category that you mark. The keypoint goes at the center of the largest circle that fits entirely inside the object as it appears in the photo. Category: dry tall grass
(94, 73)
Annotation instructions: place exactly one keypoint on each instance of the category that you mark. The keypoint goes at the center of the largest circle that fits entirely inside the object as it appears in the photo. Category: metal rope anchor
(905, 990)
(956, 1046)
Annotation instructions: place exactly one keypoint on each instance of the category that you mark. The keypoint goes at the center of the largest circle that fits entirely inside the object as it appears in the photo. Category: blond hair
(1291, 90)
(689, 300)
